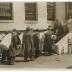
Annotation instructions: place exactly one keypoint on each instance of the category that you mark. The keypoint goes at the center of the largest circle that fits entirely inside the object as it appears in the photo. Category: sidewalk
(54, 62)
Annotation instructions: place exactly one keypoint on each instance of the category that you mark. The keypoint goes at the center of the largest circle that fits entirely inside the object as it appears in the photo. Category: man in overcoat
(27, 45)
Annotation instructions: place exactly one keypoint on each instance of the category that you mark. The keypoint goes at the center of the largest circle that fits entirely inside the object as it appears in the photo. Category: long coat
(47, 43)
(36, 43)
(27, 44)
(15, 45)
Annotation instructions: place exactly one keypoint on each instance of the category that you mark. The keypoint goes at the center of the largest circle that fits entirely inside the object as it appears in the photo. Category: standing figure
(27, 45)
(69, 24)
(65, 27)
(48, 42)
(14, 46)
(36, 44)
(58, 29)
(70, 44)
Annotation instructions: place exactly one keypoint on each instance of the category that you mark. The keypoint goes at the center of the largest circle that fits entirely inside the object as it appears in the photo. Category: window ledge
(31, 22)
(6, 21)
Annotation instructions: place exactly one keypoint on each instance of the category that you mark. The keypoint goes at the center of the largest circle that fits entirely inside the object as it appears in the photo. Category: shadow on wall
(69, 67)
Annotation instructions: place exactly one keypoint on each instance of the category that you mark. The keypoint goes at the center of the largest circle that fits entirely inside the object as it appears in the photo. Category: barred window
(50, 11)
(68, 9)
(30, 11)
(5, 11)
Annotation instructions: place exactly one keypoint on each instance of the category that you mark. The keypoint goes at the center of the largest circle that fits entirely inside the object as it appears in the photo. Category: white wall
(42, 23)
(60, 11)
(18, 22)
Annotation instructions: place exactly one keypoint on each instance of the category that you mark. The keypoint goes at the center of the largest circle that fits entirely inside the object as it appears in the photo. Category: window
(30, 11)
(68, 9)
(50, 11)
(5, 11)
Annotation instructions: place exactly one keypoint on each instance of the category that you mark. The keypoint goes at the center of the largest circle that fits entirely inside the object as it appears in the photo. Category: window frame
(53, 11)
(36, 14)
(12, 17)
(67, 10)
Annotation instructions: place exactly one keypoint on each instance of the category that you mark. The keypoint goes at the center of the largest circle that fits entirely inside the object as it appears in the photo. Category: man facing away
(27, 45)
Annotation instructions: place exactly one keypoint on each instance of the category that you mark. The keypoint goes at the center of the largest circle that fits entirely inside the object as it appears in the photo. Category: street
(54, 61)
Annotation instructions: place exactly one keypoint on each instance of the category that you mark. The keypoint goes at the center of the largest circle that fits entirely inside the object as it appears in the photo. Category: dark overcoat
(47, 43)
(36, 43)
(27, 44)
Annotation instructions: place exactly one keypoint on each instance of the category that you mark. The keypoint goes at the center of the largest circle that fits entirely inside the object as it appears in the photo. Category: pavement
(49, 62)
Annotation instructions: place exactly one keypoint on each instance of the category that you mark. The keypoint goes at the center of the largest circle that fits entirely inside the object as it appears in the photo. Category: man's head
(27, 29)
(50, 29)
(69, 23)
(14, 32)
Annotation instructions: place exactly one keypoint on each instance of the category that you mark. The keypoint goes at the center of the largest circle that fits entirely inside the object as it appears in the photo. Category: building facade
(37, 15)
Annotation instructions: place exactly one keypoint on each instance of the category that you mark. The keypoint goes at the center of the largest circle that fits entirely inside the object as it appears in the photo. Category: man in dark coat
(58, 29)
(48, 42)
(36, 44)
(15, 45)
(27, 45)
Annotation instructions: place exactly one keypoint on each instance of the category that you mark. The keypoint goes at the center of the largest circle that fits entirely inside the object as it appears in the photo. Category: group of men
(31, 43)
(30, 46)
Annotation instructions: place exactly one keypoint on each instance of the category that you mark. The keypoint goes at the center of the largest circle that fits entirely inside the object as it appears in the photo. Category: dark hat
(14, 30)
(27, 29)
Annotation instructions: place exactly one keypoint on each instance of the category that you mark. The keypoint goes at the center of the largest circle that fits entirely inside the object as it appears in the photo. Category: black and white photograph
(36, 35)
